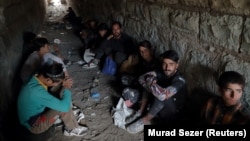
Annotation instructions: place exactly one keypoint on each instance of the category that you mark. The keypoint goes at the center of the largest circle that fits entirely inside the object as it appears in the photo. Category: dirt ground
(97, 113)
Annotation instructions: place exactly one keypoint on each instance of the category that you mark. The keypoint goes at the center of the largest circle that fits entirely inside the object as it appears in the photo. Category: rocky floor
(97, 113)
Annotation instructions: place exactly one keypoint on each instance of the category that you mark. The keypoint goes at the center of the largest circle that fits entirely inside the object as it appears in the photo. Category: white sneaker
(58, 122)
(89, 66)
(136, 127)
(79, 131)
(80, 62)
(80, 117)
(76, 112)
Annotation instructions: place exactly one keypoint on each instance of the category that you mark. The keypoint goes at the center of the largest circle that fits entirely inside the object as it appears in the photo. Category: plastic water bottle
(94, 94)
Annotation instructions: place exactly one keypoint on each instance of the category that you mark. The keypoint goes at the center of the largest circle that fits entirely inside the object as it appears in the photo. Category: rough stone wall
(16, 16)
(55, 10)
(211, 36)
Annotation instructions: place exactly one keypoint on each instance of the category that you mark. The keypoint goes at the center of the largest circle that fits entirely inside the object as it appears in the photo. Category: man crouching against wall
(169, 90)
(38, 109)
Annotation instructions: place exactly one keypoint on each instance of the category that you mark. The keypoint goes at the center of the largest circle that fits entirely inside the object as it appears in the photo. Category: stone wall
(16, 17)
(211, 36)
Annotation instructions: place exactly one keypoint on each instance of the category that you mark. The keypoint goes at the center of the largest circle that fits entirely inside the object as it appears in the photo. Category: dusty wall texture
(16, 17)
(211, 36)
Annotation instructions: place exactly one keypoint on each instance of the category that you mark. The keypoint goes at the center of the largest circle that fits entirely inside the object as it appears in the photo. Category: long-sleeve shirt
(34, 98)
(31, 66)
(174, 86)
(215, 112)
(123, 44)
(144, 66)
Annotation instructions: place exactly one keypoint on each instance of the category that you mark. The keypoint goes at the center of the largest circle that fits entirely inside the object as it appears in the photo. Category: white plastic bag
(119, 114)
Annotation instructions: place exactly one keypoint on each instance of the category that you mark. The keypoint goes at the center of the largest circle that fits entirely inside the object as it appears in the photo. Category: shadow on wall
(197, 98)
(200, 76)
(200, 81)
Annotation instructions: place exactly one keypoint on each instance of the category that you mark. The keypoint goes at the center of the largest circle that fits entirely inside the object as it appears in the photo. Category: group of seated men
(162, 89)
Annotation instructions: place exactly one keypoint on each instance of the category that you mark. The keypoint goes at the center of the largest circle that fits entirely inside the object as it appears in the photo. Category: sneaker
(89, 66)
(80, 116)
(79, 131)
(58, 122)
(80, 62)
(133, 117)
(136, 127)
(76, 111)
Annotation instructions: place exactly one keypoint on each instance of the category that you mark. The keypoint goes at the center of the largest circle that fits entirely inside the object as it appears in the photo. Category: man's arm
(166, 93)
(147, 79)
(63, 104)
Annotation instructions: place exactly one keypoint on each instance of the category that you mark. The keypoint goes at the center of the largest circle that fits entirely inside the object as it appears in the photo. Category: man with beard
(169, 90)
(118, 45)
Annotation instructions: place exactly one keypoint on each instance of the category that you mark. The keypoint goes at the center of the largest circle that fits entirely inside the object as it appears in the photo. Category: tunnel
(210, 37)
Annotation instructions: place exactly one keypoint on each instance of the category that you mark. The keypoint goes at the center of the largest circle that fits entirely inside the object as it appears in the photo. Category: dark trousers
(166, 111)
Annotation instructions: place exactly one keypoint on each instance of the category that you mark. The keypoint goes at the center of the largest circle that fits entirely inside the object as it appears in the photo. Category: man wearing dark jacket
(168, 87)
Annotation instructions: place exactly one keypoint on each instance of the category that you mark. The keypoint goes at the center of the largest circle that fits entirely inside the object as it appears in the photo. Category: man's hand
(110, 36)
(67, 82)
(150, 80)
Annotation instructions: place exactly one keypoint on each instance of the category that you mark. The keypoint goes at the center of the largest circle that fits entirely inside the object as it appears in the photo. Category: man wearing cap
(168, 87)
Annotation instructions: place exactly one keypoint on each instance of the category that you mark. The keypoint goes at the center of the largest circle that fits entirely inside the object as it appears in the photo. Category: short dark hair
(39, 42)
(70, 8)
(231, 77)
(170, 54)
(145, 43)
(53, 70)
(116, 23)
(103, 26)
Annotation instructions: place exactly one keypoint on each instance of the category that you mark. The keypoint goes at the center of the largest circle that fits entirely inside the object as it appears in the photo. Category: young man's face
(231, 94)
(116, 30)
(45, 48)
(169, 67)
(102, 32)
(145, 53)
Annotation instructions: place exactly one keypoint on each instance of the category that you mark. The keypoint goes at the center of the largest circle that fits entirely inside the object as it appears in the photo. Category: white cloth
(49, 56)
(88, 56)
